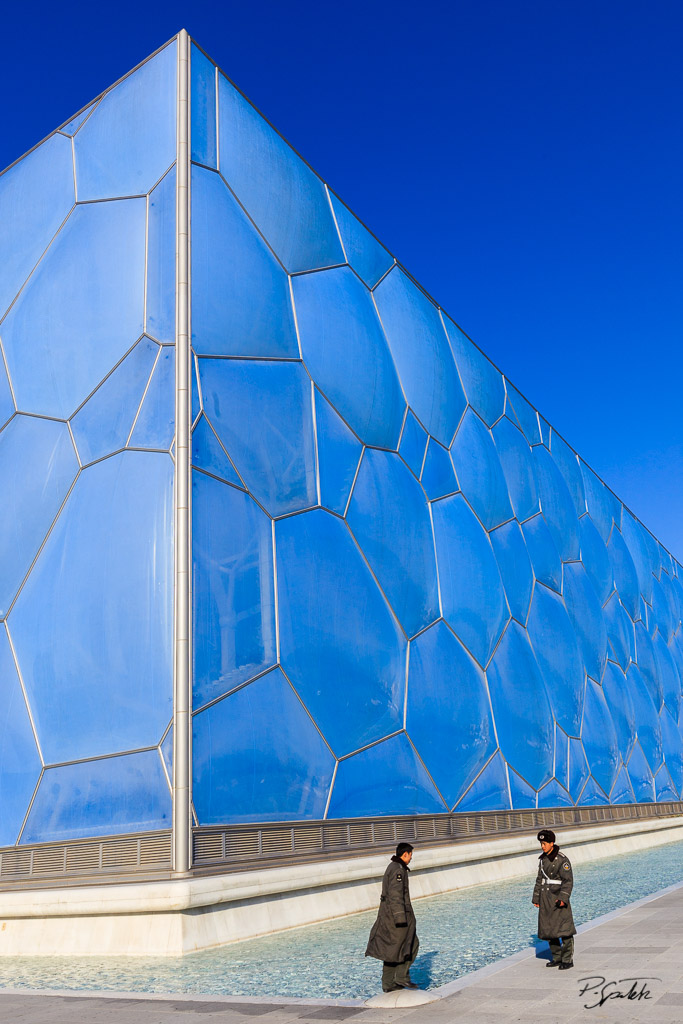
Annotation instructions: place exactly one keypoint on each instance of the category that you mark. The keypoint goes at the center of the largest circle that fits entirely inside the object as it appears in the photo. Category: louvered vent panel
(120, 853)
(83, 858)
(308, 839)
(242, 844)
(16, 863)
(276, 842)
(208, 846)
(155, 850)
(360, 835)
(336, 835)
(383, 832)
(424, 829)
(405, 831)
(49, 860)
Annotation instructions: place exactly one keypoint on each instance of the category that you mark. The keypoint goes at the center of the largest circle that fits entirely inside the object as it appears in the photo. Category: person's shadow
(421, 971)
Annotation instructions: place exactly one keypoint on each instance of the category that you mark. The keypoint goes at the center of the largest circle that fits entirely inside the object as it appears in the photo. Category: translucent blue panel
(196, 397)
(672, 747)
(438, 476)
(339, 329)
(676, 648)
(389, 516)
(203, 98)
(641, 777)
(129, 141)
(472, 594)
(456, 743)
(233, 588)
(155, 425)
(618, 695)
(347, 664)
(286, 199)
(545, 431)
(161, 251)
(620, 632)
(615, 507)
(167, 753)
(515, 568)
(19, 761)
(668, 673)
(561, 756)
(413, 443)
(599, 738)
(597, 502)
(483, 383)
(664, 786)
(35, 197)
(647, 720)
(586, 617)
(521, 709)
(103, 424)
(75, 123)
(526, 414)
(559, 658)
(677, 591)
(625, 575)
(623, 790)
(661, 608)
(208, 453)
(490, 791)
(368, 258)
(647, 663)
(557, 505)
(592, 795)
(578, 768)
(32, 499)
(422, 355)
(385, 779)
(93, 626)
(522, 794)
(59, 342)
(6, 400)
(568, 464)
(241, 304)
(596, 560)
(100, 798)
(543, 554)
(480, 473)
(262, 414)
(554, 795)
(257, 756)
(515, 458)
(634, 535)
(338, 455)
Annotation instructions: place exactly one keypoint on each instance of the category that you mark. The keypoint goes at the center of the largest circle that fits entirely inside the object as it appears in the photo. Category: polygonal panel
(208, 453)
(664, 786)
(545, 431)
(283, 196)
(72, 126)
(490, 791)
(561, 756)
(592, 795)
(422, 354)
(568, 464)
(620, 632)
(338, 455)
(625, 575)
(166, 750)
(60, 343)
(599, 738)
(472, 594)
(93, 625)
(35, 197)
(544, 556)
(525, 413)
(515, 568)
(641, 777)
(203, 100)
(596, 560)
(587, 619)
(413, 443)
(554, 795)
(161, 246)
(368, 258)
(129, 141)
(155, 425)
(340, 645)
(618, 695)
(241, 304)
(557, 505)
(668, 673)
(479, 472)
(515, 458)
(648, 723)
(483, 383)
(102, 425)
(389, 516)
(232, 588)
(438, 475)
(385, 779)
(6, 401)
(257, 756)
(597, 502)
(276, 456)
(662, 612)
(195, 399)
(622, 793)
(339, 330)
(521, 708)
(578, 767)
(31, 500)
(647, 663)
(456, 743)
(128, 793)
(634, 535)
(554, 643)
(672, 747)
(521, 793)
(19, 760)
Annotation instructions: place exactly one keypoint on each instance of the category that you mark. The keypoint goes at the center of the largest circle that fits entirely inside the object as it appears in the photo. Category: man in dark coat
(553, 888)
(393, 938)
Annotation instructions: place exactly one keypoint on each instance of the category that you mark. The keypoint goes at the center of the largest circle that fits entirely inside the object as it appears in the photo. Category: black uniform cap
(546, 835)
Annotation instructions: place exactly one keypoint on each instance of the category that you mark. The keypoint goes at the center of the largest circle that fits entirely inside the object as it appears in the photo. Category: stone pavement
(629, 967)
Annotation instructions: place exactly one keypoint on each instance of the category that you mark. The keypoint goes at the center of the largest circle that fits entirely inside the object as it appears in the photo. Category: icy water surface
(459, 932)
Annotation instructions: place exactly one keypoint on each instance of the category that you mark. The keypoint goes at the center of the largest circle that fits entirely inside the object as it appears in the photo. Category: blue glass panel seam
(24, 695)
(372, 573)
(374, 743)
(479, 774)
(30, 805)
(312, 719)
(109, 374)
(239, 686)
(329, 792)
(429, 774)
(144, 395)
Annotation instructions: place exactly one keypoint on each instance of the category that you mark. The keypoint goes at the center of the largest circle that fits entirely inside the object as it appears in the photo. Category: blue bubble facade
(409, 594)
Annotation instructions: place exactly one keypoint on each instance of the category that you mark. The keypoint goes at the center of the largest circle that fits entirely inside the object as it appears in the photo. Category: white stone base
(171, 918)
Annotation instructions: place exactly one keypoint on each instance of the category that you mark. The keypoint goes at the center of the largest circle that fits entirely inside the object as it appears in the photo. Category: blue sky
(523, 160)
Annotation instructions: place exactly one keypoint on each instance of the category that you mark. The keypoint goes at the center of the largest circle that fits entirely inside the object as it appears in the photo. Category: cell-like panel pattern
(599, 738)
(19, 759)
(479, 472)
(668, 673)
(456, 743)
(664, 786)
(592, 795)
(596, 560)
(515, 568)
(155, 424)
(568, 464)
(413, 443)
(161, 304)
(203, 102)
(587, 619)
(648, 724)
(438, 476)
(517, 463)
(544, 556)
(72, 126)
(483, 384)
(489, 791)
(208, 453)
(257, 756)
(647, 663)
(662, 611)
(672, 748)
(520, 791)
(557, 505)
(339, 453)
(634, 535)
(620, 632)
(641, 777)
(625, 575)
(578, 767)
(557, 652)
(617, 692)
(622, 793)
(525, 413)
(369, 259)
(561, 757)
(554, 795)
(389, 517)
(597, 502)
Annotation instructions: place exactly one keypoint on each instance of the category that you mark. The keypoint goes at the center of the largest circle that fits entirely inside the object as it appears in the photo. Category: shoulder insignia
(566, 866)
(399, 876)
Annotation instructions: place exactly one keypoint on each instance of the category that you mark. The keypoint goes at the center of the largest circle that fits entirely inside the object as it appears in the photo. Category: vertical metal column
(182, 849)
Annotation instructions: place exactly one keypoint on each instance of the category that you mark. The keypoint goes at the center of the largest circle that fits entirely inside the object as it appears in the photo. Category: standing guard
(553, 888)
(393, 938)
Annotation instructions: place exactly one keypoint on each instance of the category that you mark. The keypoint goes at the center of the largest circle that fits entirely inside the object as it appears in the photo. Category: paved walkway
(632, 957)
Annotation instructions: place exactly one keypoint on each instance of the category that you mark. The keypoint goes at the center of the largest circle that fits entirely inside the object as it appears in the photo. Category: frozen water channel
(459, 932)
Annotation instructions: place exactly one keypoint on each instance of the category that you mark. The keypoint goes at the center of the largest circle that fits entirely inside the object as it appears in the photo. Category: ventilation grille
(88, 858)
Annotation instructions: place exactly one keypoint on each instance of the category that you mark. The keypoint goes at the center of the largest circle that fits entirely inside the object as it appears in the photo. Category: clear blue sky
(523, 160)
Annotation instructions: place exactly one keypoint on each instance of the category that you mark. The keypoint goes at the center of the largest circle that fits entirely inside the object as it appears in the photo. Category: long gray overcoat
(554, 881)
(387, 942)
